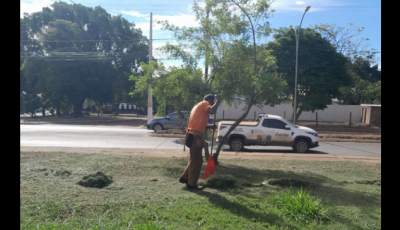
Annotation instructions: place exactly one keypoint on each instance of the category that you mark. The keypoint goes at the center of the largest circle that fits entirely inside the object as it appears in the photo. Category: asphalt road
(85, 136)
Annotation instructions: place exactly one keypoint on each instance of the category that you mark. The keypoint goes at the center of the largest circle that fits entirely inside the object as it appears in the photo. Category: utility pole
(23, 101)
(206, 38)
(149, 95)
(207, 52)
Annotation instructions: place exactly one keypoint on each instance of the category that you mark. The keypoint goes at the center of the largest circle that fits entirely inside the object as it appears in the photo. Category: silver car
(171, 121)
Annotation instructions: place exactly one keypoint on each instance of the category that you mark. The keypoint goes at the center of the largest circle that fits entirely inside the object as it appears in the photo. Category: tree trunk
(44, 111)
(77, 101)
(78, 104)
(241, 118)
(116, 108)
(77, 109)
(299, 113)
(58, 112)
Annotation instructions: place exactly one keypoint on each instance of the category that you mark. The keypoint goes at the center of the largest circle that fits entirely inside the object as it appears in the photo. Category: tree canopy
(79, 52)
(321, 70)
(365, 72)
(178, 87)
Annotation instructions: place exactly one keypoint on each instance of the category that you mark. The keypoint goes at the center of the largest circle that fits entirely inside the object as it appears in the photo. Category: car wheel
(236, 144)
(157, 127)
(301, 146)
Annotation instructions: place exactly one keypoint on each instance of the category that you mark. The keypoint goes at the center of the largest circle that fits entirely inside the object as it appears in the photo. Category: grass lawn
(144, 193)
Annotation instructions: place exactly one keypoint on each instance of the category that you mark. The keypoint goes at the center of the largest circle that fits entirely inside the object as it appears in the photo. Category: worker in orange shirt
(196, 127)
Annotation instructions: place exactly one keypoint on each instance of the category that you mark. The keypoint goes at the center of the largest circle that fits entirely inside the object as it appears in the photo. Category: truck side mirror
(287, 127)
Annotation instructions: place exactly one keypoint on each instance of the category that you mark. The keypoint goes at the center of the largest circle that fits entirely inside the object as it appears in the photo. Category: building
(371, 114)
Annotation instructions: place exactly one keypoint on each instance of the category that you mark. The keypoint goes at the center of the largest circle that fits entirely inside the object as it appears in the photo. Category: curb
(167, 135)
(320, 139)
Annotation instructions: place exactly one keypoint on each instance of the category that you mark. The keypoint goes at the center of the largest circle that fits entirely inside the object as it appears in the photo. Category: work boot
(197, 187)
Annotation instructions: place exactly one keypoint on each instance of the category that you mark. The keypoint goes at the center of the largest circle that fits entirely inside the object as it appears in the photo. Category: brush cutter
(211, 167)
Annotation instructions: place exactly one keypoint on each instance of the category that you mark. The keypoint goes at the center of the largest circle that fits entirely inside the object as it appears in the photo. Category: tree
(321, 70)
(354, 94)
(346, 40)
(83, 53)
(30, 103)
(365, 75)
(241, 71)
(364, 68)
(374, 90)
(178, 87)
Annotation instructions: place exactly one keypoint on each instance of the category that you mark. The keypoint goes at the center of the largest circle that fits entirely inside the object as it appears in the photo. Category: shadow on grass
(236, 180)
(239, 209)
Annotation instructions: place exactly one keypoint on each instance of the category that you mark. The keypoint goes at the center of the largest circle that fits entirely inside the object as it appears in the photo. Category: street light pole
(297, 33)
(23, 101)
(149, 95)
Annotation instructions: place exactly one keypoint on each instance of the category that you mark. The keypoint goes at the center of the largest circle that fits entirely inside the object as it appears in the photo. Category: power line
(161, 59)
(103, 40)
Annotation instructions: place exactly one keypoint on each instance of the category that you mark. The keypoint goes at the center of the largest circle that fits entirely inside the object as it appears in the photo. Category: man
(197, 125)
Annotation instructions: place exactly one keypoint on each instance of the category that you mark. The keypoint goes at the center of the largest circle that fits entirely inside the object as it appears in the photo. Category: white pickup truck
(268, 130)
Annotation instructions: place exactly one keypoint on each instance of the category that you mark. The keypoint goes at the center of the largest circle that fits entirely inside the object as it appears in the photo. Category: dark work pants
(193, 168)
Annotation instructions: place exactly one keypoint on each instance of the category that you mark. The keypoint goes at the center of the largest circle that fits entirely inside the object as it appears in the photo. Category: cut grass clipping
(300, 205)
(97, 180)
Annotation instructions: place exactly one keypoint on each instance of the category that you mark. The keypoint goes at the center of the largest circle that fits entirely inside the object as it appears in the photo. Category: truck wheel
(236, 144)
(157, 127)
(301, 146)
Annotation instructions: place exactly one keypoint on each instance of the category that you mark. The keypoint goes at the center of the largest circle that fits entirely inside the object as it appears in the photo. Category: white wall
(334, 112)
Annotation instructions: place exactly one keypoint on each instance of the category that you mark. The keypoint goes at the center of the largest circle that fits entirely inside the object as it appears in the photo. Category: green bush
(300, 205)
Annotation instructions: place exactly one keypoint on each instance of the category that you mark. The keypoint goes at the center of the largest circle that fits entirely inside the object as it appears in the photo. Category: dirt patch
(368, 182)
(62, 173)
(221, 183)
(179, 153)
(97, 180)
(288, 182)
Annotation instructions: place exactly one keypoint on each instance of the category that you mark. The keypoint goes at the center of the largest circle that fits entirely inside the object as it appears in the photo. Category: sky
(361, 13)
